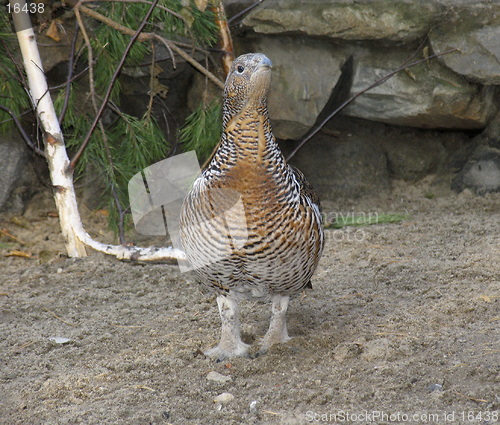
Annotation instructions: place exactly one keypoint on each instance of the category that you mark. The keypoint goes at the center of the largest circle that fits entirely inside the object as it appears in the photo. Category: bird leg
(277, 329)
(230, 344)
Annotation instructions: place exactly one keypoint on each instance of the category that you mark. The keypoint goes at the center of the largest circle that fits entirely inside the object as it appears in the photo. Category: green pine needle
(132, 143)
(202, 129)
(12, 93)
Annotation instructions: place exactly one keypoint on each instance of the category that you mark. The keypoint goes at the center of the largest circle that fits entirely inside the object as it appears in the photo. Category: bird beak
(265, 63)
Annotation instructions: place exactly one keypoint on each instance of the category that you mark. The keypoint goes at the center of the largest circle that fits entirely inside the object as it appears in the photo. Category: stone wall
(439, 117)
(309, 42)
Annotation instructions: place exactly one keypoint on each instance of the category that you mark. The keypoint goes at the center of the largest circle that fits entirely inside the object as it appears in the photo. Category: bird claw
(261, 352)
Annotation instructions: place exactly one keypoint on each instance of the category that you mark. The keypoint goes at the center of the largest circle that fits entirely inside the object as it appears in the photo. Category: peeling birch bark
(57, 158)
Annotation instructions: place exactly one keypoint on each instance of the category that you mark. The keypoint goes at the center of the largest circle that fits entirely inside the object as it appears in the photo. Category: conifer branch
(190, 60)
(169, 44)
(110, 87)
(166, 9)
(21, 79)
(92, 92)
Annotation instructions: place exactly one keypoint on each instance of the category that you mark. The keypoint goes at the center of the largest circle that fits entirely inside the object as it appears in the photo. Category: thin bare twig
(421, 45)
(187, 58)
(248, 9)
(121, 214)
(90, 54)
(172, 55)
(170, 45)
(21, 79)
(152, 74)
(70, 73)
(75, 77)
(57, 317)
(23, 133)
(4, 232)
(29, 111)
(93, 95)
(375, 84)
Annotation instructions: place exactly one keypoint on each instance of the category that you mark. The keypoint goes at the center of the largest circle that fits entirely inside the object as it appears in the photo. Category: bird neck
(248, 158)
(248, 138)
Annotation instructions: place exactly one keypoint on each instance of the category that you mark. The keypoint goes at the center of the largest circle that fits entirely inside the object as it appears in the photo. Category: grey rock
(304, 75)
(345, 351)
(17, 178)
(59, 340)
(377, 349)
(481, 174)
(346, 20)
(435, 387)
(216, 376)
(427, 96)
(479, 56)
(233, 7)
(381, 20)
(224, 398)
(412, 154)
(381, 35)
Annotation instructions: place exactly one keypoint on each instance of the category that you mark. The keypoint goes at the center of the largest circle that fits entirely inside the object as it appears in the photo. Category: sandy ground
(402, 326)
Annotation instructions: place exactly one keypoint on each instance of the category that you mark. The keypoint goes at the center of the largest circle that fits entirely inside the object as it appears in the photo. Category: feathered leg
(277, 329)
(230, 344)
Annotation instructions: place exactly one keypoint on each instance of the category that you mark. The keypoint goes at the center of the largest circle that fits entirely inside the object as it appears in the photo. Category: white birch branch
(75, 236)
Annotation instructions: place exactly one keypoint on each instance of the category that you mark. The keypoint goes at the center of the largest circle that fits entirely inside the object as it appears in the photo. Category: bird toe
(223, 353)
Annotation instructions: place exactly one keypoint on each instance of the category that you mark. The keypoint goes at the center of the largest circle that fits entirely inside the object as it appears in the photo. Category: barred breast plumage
(251, 225)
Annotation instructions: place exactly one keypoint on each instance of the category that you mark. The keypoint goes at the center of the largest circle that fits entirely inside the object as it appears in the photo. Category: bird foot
(222, 353)
(270, 340)
(277, 329)
(230, 344)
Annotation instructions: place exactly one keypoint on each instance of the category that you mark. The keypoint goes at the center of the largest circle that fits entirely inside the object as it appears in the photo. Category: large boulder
(481, 174)
(17, 178)
(304, 75)
(368, 20)
(477, 40)
(427, 96)
(454, 92)
(346, 20)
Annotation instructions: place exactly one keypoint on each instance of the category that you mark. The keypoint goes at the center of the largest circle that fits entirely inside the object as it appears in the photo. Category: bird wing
(306, 189)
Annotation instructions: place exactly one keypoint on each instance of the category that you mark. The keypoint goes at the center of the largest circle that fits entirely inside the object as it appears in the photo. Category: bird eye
(240, 68)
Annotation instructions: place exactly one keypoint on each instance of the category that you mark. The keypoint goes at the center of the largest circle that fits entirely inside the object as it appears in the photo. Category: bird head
(247, 84)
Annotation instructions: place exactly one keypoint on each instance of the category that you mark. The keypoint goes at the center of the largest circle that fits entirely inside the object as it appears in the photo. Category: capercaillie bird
(251, 226)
